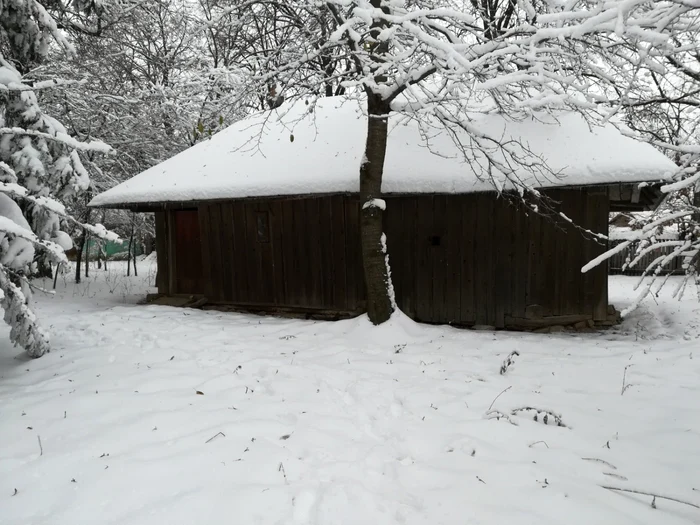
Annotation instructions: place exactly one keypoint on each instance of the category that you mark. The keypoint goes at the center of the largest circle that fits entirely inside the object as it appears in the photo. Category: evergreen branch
(62, 138)
(55, 207)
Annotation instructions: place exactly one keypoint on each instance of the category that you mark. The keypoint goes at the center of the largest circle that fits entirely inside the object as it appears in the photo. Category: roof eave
(624, 196)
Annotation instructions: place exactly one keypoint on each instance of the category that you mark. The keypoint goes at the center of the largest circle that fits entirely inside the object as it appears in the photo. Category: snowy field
(158, 415)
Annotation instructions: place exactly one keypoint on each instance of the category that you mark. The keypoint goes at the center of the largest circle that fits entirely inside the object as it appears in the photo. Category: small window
(262, 221)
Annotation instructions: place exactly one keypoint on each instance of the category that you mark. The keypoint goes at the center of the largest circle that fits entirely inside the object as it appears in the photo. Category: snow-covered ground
(158, 415)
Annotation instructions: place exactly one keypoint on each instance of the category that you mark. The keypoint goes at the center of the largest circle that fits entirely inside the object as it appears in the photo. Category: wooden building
(273, 225)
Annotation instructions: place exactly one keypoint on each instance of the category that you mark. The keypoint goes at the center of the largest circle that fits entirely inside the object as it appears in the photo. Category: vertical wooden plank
(520, 241)
(172, 285)
(241, 282)
(503, 265)
(227, 250)
(553, 268)
(424, 268)
(557, 234)
(601, 272)
(215, 251)
(315, 271)
(591, 223)
(499, 226)
(565, 258)
(439, 261)
(188, 252)
(263, 239)
(481, 258)
(292, 252)
(361, 290)
(338, 242)
(452, 238)
(325, 252)
(476, 258)
(220, 230)
(277, 240)
(580, 260)
(353, 254)
(548, 266)
(303, 276)
(232, 293)
(408, 255)
(206, 233)
(467, 315)
(256, 287)
(490, 253)
(569, 272)
(534, 259)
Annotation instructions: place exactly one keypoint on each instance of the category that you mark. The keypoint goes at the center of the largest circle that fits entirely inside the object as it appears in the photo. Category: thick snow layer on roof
(294, 150)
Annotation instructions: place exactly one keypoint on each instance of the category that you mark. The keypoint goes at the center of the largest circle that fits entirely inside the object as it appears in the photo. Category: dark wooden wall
(476, 259)
(461, 259)
(302, 253)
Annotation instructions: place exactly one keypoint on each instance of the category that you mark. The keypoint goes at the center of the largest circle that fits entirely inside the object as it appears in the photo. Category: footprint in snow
(545, 417)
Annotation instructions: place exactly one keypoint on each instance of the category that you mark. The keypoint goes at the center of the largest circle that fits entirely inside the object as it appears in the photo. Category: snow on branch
(55, 252)
(682, 184)
(25, 330)
(55, 207)
(634, 236)
(63, 138)
(38, 86)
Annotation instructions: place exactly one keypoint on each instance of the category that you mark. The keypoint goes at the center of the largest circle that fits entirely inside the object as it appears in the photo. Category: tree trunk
(128, 253)
(87, 256)
(374, 261)
(79, 256)
(43, 266)
(136, 272)
(101, 249)
(58, 267)
(696, 227)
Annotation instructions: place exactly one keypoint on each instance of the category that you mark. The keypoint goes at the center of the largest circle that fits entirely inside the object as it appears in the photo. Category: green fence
(114, 250)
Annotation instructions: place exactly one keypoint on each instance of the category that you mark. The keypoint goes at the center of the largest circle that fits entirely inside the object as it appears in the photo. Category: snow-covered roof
(624, 233)
(281, 153)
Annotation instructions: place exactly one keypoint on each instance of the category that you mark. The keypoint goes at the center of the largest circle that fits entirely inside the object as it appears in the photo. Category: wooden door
(188, 253)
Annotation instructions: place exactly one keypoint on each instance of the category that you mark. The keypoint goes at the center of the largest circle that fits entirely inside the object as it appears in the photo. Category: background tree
(146, 85)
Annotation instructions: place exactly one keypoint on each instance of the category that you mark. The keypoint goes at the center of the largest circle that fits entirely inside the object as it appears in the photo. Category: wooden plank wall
(461, 259)
(295, 253)
(478, 259)
(187, 252)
